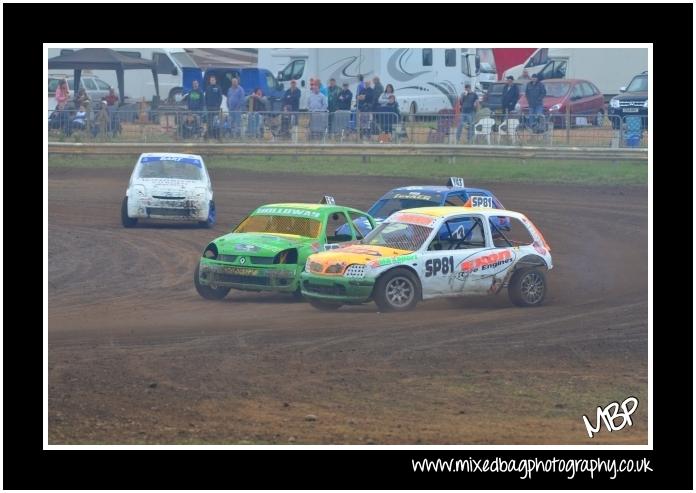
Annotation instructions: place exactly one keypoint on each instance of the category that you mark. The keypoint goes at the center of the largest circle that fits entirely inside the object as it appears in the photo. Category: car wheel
(297, 294)
(397, 290)
(206, 291)
(599, 119)
(212, 216)
(325, 306)
(527, 287)
(128, 222)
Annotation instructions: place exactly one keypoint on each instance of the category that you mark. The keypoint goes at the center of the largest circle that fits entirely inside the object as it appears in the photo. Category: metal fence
(111, 124)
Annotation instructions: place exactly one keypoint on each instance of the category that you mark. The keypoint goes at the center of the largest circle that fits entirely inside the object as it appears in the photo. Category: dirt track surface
(136, 356)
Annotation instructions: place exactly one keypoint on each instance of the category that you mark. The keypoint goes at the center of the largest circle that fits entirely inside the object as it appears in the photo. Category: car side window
(337, 228)
(587, 90)
(456, 199)
(361, 224)
(576, 93)
(459, 234)
(90, 85)
(103, 86)
(509, 231)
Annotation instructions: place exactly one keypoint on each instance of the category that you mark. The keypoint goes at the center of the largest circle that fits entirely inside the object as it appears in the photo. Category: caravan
(425, 80)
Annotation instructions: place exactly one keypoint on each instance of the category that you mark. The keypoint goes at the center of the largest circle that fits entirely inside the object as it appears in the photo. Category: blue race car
(453, 193)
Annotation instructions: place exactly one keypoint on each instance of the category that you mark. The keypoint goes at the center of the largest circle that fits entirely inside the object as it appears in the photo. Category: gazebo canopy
(102, 59)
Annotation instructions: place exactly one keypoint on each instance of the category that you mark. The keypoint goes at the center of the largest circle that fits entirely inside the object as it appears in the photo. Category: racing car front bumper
(176, 210)
(336, 288)
(281, 277)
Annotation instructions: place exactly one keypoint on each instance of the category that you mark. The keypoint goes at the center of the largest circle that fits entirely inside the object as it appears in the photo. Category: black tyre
(127, 222)
(397, 290)
(599, 119)
(325, 306)
(206, 291)
(297, 294)
(527, 287)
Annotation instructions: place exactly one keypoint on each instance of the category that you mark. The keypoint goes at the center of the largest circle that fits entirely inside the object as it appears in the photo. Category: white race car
(430, 252)
(169, 186)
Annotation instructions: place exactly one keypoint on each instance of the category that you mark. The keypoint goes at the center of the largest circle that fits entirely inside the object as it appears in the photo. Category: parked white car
(169, 186)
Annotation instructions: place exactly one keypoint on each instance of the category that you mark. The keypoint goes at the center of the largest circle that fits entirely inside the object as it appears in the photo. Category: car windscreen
(262, 223)
(401, 236)
(556, 89)
(638, 84)
(386, 207)
(182, 169)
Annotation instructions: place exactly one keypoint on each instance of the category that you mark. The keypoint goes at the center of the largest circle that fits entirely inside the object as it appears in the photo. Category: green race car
(267, 251)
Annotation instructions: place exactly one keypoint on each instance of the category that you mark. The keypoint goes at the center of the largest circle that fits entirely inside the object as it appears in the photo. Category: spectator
(468, 104)
(334, 91)
(111, 98)
(511, 93)
(255, 103)
(322, 88)
(378, 90)
(316, 101)
(82, 99)
(235, 105)
(389, 114)
(213, 100)
(102, 122)
(189, 127)
(195, 98)
(345, 98)
(62, 94)
(384, 97)
(80, 119)
(366, 97)
(361, 83)
(535, 93)
(291, 98)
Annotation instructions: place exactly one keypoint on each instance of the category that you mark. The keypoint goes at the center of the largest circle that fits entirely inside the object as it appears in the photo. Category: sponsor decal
(408, 218)
(435, 266)
(362, 250)
(402, 259)
(243, 247)
(242, 272)
(485, 262)
(285, 211)
(540, 244)
(480, 201)
(413, 195)
(176, 159)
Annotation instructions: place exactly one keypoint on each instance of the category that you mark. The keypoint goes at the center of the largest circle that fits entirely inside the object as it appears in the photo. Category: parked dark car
(494, 97)
(633, 101)
(582, 98)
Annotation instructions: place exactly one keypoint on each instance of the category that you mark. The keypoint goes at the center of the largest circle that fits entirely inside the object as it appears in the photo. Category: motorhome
(175, 70)
(425, 80)
(607, 68)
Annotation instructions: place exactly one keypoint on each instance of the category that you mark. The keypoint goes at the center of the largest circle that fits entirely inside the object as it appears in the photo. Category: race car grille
(355, 270)
(261, 260)
(237, 279)
(227, 258)
(335, 290)
(163, 211)
(167, 197)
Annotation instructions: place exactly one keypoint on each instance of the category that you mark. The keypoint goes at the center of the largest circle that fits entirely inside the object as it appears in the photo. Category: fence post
(568, 125)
